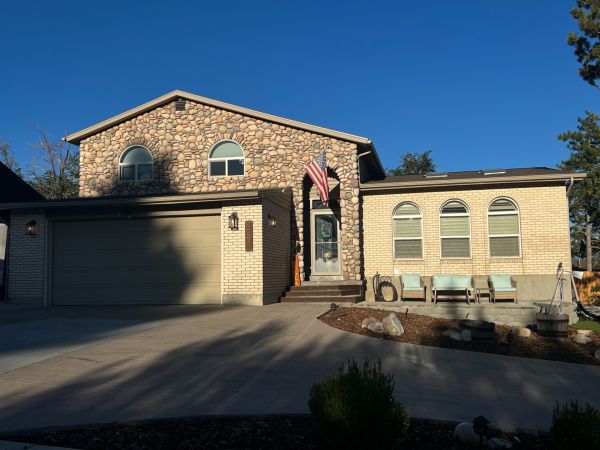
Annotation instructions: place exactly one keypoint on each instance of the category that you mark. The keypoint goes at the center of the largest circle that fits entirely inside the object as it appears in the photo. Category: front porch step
(330, 292)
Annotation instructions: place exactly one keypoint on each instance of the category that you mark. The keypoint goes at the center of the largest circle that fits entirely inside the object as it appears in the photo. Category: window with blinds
(408, 232)
(455, 230)
(504, 229)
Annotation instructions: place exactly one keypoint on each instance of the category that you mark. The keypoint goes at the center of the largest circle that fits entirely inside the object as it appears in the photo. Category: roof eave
(76, 138)
(381, 186)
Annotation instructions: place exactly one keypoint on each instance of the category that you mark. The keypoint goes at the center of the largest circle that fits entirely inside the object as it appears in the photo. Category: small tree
(414, 163)
(57, 173)
(584, 144)
(587, 44)
(7, 157)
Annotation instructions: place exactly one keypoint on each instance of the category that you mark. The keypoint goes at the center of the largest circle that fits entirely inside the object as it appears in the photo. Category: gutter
(399, 185)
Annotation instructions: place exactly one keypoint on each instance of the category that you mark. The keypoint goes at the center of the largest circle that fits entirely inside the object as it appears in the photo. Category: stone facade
(275, 157)
(26, 262)
(545, 238)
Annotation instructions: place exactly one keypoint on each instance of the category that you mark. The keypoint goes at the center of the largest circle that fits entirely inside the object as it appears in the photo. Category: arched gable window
(135, 164)
(408, 231)
(455, 230)
(504, 229)
(226, 158)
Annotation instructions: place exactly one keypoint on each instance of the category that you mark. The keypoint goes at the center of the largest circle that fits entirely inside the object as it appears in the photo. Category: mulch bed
(251, 433)
(424, 330)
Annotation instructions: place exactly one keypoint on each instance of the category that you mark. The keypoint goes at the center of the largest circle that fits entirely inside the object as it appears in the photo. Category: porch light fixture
(272, 221)
(31, 228)
(234, 221)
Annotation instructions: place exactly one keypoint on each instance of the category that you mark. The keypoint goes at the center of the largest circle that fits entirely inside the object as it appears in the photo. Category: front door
(325, 243)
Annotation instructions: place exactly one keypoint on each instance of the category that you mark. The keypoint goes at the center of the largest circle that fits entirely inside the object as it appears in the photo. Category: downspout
(570, 184)
(360, 155)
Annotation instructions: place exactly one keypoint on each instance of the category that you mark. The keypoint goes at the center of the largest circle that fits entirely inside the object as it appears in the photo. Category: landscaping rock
(521, 331)
(465, 335)
(597, 354)
(452, 334)
(367, 320)
(392, 325)
(587, 333)
(465, 434)
(375, 327)
(581, 339)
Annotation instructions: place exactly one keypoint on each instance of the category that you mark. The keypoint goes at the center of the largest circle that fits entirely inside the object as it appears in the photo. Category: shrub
(575, 427)
(355, 409)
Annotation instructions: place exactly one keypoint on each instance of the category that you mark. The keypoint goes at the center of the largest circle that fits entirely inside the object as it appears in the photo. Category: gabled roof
(14, 189)
(76, 138)
(473, 177)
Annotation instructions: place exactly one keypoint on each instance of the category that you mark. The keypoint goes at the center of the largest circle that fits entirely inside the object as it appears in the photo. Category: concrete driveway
(150, 362)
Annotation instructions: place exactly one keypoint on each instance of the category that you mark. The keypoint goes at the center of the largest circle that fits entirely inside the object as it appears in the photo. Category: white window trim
(210, 159)
(503, 213)
(121, 165)
(394, 238)
(468, 215)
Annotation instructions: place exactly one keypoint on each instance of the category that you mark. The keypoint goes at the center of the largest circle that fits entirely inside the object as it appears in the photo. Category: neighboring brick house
(190, 200)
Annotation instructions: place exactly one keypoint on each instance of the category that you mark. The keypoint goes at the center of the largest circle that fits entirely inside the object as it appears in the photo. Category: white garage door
(159, 260)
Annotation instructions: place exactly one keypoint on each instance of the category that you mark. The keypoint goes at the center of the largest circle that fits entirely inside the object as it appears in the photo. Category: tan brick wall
(544, 232)
(277, 251)
(242, 271)
(26, 258)
(275, 157)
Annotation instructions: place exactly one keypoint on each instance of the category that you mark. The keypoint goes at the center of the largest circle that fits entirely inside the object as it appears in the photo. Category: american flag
(317, 171)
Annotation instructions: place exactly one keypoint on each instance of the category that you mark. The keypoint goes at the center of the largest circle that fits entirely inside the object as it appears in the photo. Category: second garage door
(159, 260)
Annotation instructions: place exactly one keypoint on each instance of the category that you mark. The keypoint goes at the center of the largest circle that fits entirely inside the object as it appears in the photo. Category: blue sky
(481, 83)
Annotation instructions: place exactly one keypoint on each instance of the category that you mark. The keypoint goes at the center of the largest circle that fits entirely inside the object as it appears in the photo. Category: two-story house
(185, 199)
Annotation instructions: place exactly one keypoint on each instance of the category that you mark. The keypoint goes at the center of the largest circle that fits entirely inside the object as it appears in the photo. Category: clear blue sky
(481, 83)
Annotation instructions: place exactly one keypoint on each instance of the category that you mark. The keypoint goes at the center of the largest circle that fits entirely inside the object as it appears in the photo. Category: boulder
(375, 327)
(392, 325)
(597, 354)
(465, 335)
(581, 339)
(465, 434)
(521, 331)
(452, 334)
(587, 333)
(367, 320)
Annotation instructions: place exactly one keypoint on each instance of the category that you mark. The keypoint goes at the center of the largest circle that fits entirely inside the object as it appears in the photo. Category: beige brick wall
(26, 258)
(544, 232)
(242, 271)
(277, 251)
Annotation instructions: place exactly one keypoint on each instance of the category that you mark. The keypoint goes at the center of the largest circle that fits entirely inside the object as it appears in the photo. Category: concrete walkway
(262, 360)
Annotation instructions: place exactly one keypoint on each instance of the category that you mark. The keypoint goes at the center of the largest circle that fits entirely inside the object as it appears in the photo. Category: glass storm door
(326, 243)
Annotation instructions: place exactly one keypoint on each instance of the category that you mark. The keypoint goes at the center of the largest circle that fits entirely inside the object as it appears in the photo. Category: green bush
(575, 427)
(355, 409)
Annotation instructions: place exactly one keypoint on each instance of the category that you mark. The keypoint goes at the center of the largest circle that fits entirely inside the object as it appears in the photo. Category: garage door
(159, 260)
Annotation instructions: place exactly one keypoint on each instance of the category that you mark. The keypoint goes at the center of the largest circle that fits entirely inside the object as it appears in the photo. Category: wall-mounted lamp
(272, 220)
(31, 228)
(234, 222)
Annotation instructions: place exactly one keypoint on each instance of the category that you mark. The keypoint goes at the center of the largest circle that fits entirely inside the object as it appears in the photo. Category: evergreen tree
(414, 163)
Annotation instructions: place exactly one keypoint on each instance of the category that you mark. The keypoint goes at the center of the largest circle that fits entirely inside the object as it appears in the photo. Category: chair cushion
(501, 282)
(410, 281)
(506, 289)
(442, 281)
(452, 282)
(461, 281)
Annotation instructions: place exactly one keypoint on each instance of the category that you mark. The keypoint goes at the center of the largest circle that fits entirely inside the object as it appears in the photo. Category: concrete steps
(325, 292)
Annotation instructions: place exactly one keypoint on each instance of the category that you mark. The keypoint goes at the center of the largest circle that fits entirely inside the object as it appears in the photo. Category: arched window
(503, 229)
(135, 164)
(408, 232)
(226, 158)
(455, 230)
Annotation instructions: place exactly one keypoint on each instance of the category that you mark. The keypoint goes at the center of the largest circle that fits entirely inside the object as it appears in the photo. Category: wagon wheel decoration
(379, 284)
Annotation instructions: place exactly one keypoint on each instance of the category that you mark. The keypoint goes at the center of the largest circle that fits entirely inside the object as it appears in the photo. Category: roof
(76, 138)
(149, 200)
(474, 177)
(14, 189)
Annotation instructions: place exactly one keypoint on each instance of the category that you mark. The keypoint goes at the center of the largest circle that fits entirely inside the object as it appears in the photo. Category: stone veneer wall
(277, 252)
(275, 157)
(26, 258)
(545, 239)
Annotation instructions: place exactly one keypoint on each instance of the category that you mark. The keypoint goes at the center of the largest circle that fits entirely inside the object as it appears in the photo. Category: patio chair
(411, 286)
(451, 286)
(502, 287)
